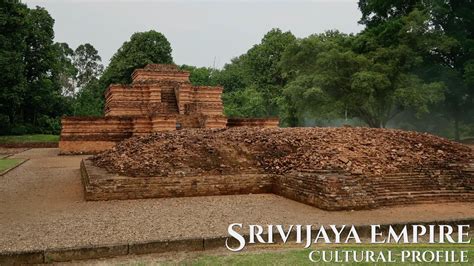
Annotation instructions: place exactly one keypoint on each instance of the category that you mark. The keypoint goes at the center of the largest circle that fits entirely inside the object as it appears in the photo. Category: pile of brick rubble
(279, 150)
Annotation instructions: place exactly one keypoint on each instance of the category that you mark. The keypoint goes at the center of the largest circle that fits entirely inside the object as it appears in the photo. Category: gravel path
(42, 206)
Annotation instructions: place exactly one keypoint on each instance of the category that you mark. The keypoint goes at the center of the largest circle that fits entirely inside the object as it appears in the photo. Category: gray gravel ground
(42, 206)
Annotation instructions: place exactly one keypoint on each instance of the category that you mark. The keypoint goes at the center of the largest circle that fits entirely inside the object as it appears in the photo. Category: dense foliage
(411, 67)
(38, 77)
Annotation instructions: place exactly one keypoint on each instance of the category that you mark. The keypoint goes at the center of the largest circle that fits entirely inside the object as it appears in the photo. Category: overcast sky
(200, 32)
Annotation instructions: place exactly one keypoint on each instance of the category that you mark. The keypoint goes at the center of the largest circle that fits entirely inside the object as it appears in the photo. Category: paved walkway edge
(29, 144)
(160, 246)
(10, 169)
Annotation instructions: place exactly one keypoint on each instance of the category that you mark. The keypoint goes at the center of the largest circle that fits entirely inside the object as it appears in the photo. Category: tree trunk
(293, 118)
(456, 129)
(374, 123)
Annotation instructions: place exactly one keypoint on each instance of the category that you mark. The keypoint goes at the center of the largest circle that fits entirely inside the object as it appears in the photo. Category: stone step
(419, 201)
(420, 181)
(415, 189)
(420, 197)
(418, 178)
(427, 192)
(168, 100)
(419, 186)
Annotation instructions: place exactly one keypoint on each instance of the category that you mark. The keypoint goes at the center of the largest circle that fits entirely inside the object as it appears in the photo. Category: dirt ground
(42, 206)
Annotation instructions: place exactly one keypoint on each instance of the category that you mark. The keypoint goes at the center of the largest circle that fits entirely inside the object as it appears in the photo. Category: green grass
(29, 138)
(300, 256)
(8, 163)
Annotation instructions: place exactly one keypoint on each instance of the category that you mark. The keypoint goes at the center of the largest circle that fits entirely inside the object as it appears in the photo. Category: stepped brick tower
(160, 97)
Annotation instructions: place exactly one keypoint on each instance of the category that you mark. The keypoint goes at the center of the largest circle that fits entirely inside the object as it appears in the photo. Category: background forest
(412, 67)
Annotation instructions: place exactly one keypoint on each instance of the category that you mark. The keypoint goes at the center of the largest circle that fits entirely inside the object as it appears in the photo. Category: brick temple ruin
(242, 161)
(160, 97)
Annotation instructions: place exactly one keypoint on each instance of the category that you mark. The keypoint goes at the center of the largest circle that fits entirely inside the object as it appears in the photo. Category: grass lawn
(300, 256)
(8, 163)
(29, 138)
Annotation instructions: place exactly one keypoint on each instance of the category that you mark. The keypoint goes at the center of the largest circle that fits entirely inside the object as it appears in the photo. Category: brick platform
(159, 98)
(328, 190)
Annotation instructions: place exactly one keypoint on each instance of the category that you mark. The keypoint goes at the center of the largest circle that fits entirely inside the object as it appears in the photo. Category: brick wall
(100, 185)
(160, 72)
(86, 135)
(327, 190)
(199, 99)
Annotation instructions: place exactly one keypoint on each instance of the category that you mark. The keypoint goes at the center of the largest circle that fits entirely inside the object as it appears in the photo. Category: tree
(42, 102)
(258, 70)
(442, 33)
(302, 100)
(200, 76)
(88, 64)
(265, 70)
(375, 12)
(244, 103)
(234, 76)
(67, 71)
(373, 87)
(33, 67)
(89, 100)
(12, 45)
(455, 20)
(143, 48)
(43, 97)
(34, 71)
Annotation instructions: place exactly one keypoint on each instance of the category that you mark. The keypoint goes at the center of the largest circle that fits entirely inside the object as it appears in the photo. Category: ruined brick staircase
(411, 188)
(338, 191)
(168, 97)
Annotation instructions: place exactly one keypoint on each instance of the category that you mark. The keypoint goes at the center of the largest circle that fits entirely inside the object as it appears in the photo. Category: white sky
(200, 32)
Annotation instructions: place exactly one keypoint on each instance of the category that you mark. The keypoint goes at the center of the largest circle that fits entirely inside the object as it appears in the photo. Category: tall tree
(89, 100)
(67, 71)
(200, 76)
(444, 39)
(12, 45)
(87, 61)
(375, 12)
(235, 75)
(265, 70)
(373, 87)
(143, 48)
(41, 69)
(258, 70)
